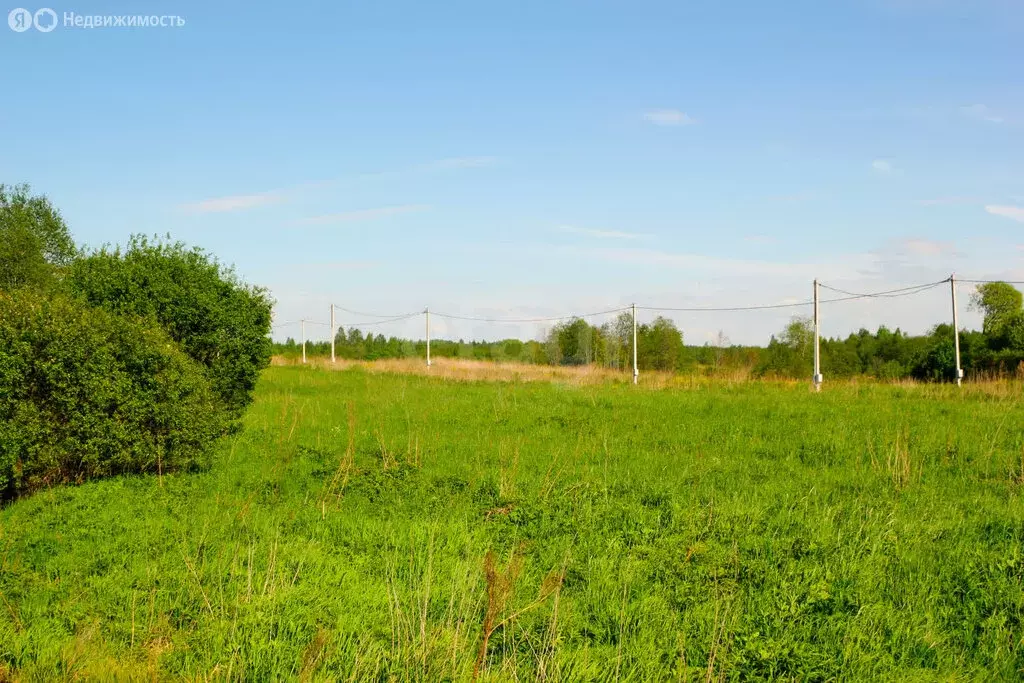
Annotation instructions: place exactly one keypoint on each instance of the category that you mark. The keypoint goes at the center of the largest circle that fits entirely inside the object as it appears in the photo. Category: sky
(530, 159)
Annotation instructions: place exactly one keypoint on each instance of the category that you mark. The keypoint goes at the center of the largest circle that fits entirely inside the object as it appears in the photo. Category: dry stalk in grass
(899, 462)
(500, 586)
(347, 462)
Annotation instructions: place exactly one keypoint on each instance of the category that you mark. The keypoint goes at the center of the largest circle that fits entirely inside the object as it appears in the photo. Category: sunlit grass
(377, 525)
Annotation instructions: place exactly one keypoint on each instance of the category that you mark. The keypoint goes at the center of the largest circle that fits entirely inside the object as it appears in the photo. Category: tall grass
(380, 526)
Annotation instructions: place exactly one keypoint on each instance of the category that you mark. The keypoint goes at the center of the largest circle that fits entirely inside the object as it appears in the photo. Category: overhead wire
(847, 296)
(887, 294)
(376, 315)
(530, 320)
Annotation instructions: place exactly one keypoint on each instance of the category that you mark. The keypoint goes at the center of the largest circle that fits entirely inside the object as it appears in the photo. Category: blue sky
(520, 159)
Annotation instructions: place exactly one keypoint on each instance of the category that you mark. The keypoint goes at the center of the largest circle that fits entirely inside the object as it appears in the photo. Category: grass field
(372, 526)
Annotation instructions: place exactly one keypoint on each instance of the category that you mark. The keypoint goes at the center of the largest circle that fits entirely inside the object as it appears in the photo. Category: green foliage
(791, 354)
(34, 241)
(1001, 304)
(660, 345)
(85, 394)
(219, 321)
(740, 532)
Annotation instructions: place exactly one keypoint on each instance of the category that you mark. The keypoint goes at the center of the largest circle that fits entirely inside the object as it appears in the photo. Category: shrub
(34, 240)
(219, 321)
(85, 393)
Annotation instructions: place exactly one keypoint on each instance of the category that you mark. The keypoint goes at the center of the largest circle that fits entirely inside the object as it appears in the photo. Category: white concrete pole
(303, 340)
(332, 333)
(426, 312)
(817, 342)
(636, 369)
(956, 332)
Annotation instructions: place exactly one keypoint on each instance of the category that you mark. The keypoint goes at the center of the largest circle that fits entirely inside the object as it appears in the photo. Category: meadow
(382, 526)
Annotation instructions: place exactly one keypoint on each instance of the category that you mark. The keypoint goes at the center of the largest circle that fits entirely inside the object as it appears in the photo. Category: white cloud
(668, 117)
(945, 201)
(760, 239)
(882, 166)
(924, 247)
(718, 266)
(1012, 212)
(459, 162)
(251, 201)
(791, 198)
(603, 234)
(361, 214)
(980, 112)
(335, 265)
(233, 203)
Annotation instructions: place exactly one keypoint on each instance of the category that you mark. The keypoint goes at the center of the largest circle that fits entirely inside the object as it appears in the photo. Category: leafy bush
(34, 241)
(219, 321)
(84, 394)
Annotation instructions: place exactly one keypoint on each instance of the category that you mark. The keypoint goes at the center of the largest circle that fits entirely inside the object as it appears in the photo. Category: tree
(721, 342)
(34, 240)
(1001, 303)
(219, 321)
(661, 345)
(789, 355)
(85, 393)
(574, 342)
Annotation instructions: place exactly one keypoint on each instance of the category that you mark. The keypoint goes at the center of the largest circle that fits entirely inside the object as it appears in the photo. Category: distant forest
(998, 349)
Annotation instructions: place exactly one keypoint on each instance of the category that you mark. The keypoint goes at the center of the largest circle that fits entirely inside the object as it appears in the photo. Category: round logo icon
(45, 20)
(20, 19)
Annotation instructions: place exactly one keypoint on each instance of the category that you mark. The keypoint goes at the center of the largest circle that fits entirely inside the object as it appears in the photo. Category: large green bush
(219, 321)
(85, 393)
(34, 240)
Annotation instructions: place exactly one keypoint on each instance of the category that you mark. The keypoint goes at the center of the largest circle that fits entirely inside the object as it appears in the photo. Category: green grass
(757, 531)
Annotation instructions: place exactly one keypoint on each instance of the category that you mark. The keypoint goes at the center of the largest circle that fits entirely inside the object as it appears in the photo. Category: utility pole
(956, 331)
(817, 342)
(303, 340)
(332, 333)
(426, 312)
(636, 370)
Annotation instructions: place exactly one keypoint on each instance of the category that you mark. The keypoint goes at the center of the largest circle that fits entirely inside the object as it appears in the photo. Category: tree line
(997, 349)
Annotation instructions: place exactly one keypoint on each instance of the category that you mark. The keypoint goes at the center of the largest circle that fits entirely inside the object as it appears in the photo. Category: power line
(376, 315)
(887, 294)
(530, 320)
(988, 282)
(383, 319)
(696, 309)
(382, 322)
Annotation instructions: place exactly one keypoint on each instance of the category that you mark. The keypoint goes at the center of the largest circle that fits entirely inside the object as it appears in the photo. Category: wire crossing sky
(513, 162)
(419, 316)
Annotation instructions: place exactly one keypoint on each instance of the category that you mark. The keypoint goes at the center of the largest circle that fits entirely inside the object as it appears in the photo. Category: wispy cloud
(1012, 212)
(361, 215)
(760, 239)
(668, 117)
(791, 198)
(719, 266)
(981, 112)
(882, 166)
(335, 265)
(926, 247)
(459, 162)
(233, 203)
(603, 234)
(946, 201)
(282, 195)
